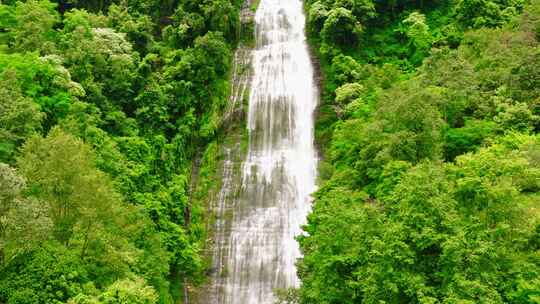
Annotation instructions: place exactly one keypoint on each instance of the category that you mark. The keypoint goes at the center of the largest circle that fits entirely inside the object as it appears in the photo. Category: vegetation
(429, 127)
(103, 107)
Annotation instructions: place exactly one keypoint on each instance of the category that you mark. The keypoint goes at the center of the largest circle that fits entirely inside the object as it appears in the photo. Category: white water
(260, 213)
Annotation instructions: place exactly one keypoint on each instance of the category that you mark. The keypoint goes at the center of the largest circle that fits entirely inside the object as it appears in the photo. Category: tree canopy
(428, 127)
(104, 106)
(429, 185)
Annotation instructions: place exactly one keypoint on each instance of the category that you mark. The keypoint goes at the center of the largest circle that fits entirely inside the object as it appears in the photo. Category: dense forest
(428, 129)
(430, 184)
(104, 108)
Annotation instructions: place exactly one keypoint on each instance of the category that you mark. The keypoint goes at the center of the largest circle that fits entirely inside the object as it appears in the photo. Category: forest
(428, 130)
(429, 188)
(104, 105)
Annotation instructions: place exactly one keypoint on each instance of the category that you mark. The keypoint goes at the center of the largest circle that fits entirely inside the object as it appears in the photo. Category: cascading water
(260, 213)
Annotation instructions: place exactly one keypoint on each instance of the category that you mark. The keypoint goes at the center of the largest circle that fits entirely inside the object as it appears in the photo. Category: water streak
(260, 212)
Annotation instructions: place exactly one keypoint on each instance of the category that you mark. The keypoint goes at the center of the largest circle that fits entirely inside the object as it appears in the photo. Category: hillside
(429, 129)
(104, 107)
(116, 128)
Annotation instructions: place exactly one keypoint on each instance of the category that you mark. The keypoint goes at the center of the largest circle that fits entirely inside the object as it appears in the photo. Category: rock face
(265, 195)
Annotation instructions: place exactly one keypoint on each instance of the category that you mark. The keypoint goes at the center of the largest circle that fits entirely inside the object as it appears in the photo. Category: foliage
(103, 105)
(123, 291)
(429, 186)
(34, 26)
(24, 222)
(444, 233)
(428, 125)
(287, 296)
(418, 32)
(478, 13)
(19, 116)
(340, 27)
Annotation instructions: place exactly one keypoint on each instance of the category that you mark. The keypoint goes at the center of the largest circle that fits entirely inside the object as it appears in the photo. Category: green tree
(341, 28)
(24, 222)
(138, 28)
(7, 20)
(100, 59)
(458, 141)
(429, 185)
(348, 92)
(419, 34)
(60, 170)
(34, 28)
(124, 291)
(129, 291)
(317, 14)
(75, 68)
(44, 80)
(443, 232)
(19, 116)
(478, 13)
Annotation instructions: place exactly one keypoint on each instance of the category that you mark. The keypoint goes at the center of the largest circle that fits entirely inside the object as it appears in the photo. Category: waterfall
(259, 213)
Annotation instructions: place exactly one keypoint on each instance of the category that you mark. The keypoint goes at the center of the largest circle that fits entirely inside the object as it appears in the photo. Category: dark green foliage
(468, 137)
(478, 13)
(340, 27)
(47, 275)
